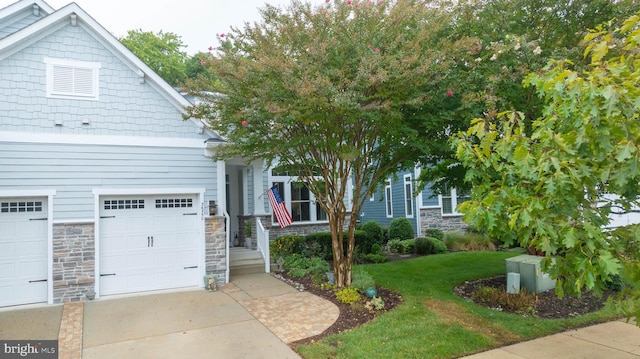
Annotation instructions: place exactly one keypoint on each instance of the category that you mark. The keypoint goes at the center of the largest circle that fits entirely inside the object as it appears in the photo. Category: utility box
(531, 276)
(513, 283)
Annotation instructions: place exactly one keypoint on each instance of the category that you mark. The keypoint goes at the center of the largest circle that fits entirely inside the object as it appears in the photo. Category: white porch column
(257, 168)
(222, 187)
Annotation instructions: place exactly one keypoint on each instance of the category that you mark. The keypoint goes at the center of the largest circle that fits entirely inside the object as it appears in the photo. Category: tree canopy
(510, 39)
(328, 92)
(556, 185)
(162, 52)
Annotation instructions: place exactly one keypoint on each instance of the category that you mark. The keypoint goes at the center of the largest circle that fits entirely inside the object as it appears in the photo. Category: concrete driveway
(247, 318)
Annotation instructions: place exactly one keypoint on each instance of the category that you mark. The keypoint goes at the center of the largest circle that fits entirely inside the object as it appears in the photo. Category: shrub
(319, 244)
(374, 235)
(376, 303)
(423, 246)
(468, 241)
(522, 303)
(401, 228)
(361, 279)
(376, 249)
(402, 246)
(285, 246)
(439, 247)
(298, 266)
(614, 283)
(376, 257)
(434, 233)
(348, 296)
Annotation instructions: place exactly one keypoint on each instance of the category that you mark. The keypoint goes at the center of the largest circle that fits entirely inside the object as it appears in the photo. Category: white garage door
(148, 243)
(23, 251)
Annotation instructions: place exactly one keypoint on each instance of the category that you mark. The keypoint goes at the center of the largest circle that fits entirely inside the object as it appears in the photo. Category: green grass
(433, 322)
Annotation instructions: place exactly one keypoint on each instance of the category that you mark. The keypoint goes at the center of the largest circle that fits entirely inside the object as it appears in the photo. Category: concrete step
(245, 261)
(246, 269)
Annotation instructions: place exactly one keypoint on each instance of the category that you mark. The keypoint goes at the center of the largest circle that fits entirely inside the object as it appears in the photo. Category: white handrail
(263, 244)
(227, 220)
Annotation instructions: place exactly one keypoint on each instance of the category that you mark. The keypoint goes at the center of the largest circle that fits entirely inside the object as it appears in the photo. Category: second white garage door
(148, 243)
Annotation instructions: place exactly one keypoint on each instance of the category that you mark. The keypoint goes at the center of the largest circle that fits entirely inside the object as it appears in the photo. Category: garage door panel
(23, 250)
(148, 246)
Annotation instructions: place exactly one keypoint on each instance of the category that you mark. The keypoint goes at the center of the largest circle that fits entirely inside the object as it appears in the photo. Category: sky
(196, 21)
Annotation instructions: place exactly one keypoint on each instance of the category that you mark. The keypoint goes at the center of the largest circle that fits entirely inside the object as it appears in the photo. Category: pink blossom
(210, 48)
(244, 123)
(380, 2)
(368, 46)
(449, 93)
(202, 62)
(221, 35)
(348, 2)
(376, 50)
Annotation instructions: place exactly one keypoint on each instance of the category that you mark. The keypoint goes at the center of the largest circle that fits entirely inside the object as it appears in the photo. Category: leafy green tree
(554, 187)
(326, 91)
(161, 52)
(507, 39)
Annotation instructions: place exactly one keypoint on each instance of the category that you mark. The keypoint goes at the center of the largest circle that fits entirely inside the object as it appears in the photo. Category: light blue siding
(75, 170)
(19, 21)
(126, 107)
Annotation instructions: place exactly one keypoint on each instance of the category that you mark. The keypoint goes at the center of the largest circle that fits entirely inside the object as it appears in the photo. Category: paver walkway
(70, 333)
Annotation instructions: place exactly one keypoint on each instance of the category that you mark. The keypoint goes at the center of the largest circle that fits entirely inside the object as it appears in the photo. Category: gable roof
(73, 15)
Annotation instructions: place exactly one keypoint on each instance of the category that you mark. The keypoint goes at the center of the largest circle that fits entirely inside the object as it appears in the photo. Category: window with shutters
(72, 79)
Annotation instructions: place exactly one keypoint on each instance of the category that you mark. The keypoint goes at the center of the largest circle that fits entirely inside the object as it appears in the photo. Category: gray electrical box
(531, 276)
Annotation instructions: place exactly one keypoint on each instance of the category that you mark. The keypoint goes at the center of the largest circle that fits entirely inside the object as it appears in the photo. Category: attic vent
(72, 79)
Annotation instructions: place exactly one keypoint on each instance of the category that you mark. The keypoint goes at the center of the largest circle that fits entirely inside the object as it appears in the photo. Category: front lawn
(435, 323)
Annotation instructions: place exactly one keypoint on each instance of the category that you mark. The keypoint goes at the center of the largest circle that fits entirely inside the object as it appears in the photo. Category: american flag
(279, 209)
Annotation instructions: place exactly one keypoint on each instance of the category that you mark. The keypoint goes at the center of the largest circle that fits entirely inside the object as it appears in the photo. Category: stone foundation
(215, 248)
(73, 262)
(433, 218)
(295, 229)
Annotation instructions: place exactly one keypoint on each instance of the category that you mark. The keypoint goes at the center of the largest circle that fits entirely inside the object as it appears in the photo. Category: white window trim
(93, 66)
(388, 199)
(408, 195)
(288, 181)
(454, 204)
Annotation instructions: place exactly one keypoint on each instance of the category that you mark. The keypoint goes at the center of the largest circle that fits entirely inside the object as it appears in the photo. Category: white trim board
(106, 140)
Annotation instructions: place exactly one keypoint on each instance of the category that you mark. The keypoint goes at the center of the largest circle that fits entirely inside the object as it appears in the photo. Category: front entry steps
(245, 261)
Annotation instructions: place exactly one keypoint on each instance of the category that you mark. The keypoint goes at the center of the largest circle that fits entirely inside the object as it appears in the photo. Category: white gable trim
(21, 5)
(73, 13)
(25, 137)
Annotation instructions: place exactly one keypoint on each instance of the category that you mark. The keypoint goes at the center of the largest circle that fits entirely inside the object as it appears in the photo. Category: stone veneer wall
(215, 248)
(433, 218)
(74, 262)
(295, 229)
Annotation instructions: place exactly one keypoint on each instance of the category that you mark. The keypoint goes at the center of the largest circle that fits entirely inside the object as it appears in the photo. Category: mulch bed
(546, 304)
(351, 316)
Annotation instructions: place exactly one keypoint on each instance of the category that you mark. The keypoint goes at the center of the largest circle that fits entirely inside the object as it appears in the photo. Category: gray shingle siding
(126, 107)
(25, 18)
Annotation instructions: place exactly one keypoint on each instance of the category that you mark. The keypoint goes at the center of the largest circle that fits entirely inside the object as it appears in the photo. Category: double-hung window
(408, 196)
(298, 199)
(451, 199)
(388, 199)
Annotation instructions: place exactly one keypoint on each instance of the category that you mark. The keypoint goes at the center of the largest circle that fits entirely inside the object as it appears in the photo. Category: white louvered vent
(72, 79)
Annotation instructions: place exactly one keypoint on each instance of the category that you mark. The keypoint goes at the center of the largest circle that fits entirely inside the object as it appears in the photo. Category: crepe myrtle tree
(323, 91)
(555, 188)
(512, 39)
